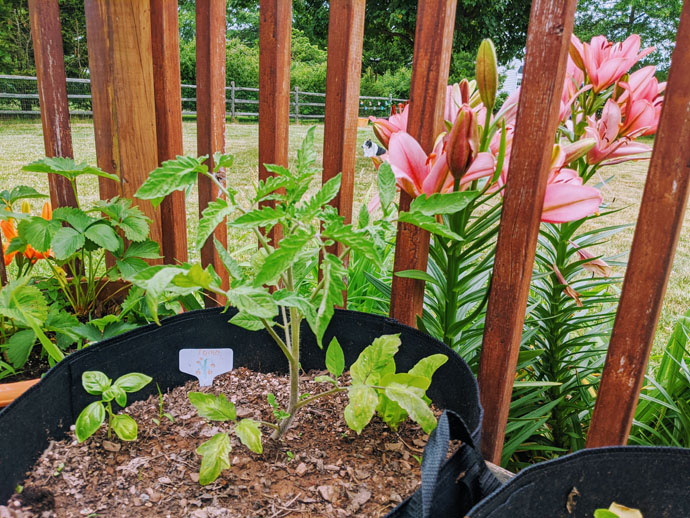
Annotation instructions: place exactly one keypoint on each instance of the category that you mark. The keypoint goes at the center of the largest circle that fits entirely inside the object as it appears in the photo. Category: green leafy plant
(162, 414)
(91, 418)
(375, 388)
(75, 242)
(301, 279)
(662, 417)
(215, 452)
(364, 277)
(26, 317)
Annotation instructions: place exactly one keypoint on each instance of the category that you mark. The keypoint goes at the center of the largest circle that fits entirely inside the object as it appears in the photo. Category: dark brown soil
(320, 469)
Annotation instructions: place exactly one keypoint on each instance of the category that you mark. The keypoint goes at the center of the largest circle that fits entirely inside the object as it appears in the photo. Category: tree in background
(16, 48)
(389, 30)
(656, 21)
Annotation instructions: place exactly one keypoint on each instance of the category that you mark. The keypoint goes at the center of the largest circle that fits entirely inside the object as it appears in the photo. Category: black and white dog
(371, 150)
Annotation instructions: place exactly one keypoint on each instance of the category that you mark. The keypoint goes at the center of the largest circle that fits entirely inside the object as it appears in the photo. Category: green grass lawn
(21, 142)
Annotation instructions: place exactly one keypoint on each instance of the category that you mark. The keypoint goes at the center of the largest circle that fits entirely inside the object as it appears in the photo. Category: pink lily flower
(641, 102)
(508, 110)
(594, 265)
(415, 172)
(574, 77)
(384, 128)
(606, 62)
(454, 101)
(610, 147)
(642, 85)
(566, 198)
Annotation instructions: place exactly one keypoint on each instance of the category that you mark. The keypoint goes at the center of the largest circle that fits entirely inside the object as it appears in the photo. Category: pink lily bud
(459, 150)
(576, 51)
(567, 289)
(594, 265)
(487, 73)
(384, 128)
(465, 91)
(578, 149)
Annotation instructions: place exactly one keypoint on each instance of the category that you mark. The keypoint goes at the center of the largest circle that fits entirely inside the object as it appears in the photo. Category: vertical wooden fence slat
(3, 270)
(102, 94)
(548, 39)
(52, 92)
(275, 27)
(656, 236)
(126, 124)
(168, 95)
(345, 37)
(210, 107)
(431, 63)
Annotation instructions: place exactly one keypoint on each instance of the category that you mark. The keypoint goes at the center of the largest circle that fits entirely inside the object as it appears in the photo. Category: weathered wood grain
(102, 103)
(165, 47)
(658, 227)
(345, 37)
(548, 39)
(430, 67)
(210, 95)
(120, 61)
(275, 27)
(52, 92)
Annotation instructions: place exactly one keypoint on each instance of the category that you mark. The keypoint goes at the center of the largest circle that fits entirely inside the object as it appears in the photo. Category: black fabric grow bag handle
(449, 487)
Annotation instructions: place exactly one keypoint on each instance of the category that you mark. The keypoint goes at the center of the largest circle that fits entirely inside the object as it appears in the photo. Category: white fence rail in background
(19, 96)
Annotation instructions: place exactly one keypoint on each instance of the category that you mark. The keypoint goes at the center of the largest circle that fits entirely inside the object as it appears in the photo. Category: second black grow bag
(49, 408)
(654, 480)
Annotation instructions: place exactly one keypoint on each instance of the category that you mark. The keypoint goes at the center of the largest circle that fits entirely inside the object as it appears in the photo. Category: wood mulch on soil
(320, 469)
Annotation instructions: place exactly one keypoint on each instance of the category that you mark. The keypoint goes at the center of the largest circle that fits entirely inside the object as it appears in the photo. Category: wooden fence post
(120, 62)
(656, 236)
(297, 104)
(432, 49)
(275, 27)
(548, 39)
(52, 92)
(210, 106)
(345, 37)
(168, 95)
(100, 70)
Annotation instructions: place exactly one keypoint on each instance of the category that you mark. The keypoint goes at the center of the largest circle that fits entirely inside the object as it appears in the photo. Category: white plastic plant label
(205, 364)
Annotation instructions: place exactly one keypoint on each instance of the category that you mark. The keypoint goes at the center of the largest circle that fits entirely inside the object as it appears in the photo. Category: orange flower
(9, 228)
(10, 232)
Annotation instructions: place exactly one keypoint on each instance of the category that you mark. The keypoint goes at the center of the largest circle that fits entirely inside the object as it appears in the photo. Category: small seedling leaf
(250, 434)
(90, 419)
(215, 408)
(361, 408)
(215, 457)
(335, 359)
(125, 427)
(132, 382)
(95, 382)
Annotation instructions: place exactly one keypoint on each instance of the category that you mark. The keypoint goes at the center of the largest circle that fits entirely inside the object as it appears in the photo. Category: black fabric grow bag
(654, 480)
(49, 408)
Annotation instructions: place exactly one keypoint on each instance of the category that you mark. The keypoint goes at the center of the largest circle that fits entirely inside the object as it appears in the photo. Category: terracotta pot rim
(12, 390)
